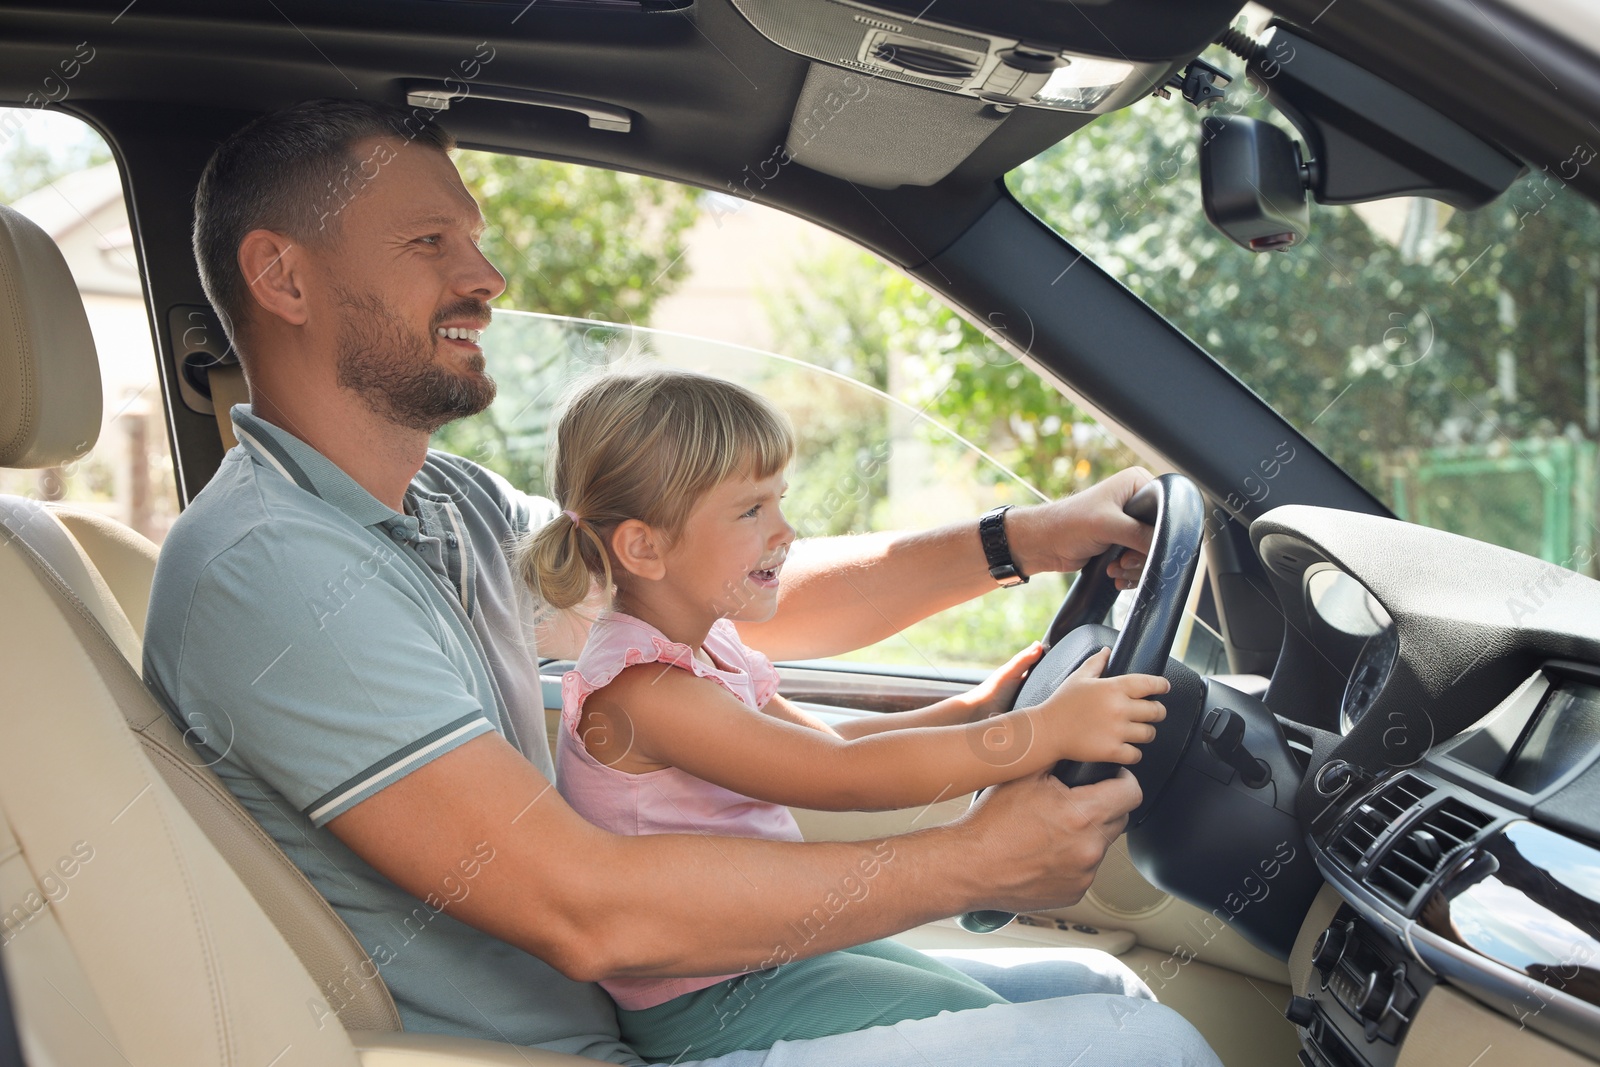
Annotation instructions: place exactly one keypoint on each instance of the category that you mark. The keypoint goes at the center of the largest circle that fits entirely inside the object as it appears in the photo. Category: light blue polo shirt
(317, 646)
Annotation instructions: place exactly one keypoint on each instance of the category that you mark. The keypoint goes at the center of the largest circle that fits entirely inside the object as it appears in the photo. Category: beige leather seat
(146, 918)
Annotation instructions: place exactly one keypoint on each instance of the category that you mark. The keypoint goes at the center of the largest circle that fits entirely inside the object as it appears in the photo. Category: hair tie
(573, 516)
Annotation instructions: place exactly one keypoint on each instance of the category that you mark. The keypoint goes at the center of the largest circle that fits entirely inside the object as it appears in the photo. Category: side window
(59, 173)
(906, 415)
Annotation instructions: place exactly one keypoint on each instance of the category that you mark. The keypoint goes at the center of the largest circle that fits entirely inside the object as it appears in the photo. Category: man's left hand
(1064, 535)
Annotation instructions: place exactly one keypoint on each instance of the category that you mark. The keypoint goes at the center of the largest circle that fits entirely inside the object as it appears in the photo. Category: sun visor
(881, 133)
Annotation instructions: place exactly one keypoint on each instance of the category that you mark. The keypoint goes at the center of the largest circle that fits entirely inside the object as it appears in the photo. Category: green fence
(1535, 496)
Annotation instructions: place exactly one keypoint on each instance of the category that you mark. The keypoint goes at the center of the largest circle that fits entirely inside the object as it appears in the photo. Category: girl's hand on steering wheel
(1102, 720)
(998, 692)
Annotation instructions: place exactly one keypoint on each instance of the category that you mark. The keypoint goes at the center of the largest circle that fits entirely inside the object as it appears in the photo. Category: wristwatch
(997, 550)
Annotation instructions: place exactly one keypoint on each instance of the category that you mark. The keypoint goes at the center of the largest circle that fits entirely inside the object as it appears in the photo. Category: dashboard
(1450, 696)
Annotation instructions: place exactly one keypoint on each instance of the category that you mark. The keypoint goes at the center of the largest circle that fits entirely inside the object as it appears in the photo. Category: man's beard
(394, 371)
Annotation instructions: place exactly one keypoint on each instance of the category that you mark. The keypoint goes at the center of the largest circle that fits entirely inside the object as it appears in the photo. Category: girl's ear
(639, 549)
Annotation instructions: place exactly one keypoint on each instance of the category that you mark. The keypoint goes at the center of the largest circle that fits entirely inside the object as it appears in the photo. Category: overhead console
(901, 94)
(1059, 62)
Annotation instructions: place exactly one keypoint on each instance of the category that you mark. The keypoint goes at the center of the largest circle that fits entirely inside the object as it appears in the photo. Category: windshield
(866, 460)
(1446, 359)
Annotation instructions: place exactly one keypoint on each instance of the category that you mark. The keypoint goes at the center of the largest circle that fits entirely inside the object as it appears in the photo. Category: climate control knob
(1329, 949)
(1374, 998)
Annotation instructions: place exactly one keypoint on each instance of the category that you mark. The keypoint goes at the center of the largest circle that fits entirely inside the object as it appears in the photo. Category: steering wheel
(1173, 505)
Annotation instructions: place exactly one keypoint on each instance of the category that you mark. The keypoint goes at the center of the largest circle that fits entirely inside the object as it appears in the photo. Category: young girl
(670, 485)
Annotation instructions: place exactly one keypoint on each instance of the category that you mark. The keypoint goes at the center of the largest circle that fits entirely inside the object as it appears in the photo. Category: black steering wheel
(1174, 507)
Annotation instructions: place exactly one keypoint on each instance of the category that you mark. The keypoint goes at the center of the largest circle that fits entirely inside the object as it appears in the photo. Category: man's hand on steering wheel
(1041, 842)
(1064, 535)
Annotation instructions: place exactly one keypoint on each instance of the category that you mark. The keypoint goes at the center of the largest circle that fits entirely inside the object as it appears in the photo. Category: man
(336, 610)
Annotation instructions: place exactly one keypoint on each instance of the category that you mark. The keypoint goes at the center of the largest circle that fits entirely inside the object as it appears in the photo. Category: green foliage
(1374, 348)
(574, 241)
(841, 464)
(853, 314)
(841, 469)
(857, 315)
(980, 634)
(580, 241)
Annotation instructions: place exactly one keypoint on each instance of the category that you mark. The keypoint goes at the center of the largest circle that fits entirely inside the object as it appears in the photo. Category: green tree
(828, 319)
(1466, 330)
(854, 314)
(573, 241)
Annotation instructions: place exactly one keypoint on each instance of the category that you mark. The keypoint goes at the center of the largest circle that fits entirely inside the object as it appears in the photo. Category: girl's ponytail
(560, 561)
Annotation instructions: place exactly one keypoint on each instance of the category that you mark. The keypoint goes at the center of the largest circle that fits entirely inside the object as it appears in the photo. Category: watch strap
(997, 549)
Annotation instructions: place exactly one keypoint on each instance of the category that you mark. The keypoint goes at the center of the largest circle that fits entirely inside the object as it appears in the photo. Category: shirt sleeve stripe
(394, 764)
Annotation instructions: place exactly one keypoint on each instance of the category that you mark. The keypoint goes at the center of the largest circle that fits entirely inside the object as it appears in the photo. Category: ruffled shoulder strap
(724, 644)
(617, 642)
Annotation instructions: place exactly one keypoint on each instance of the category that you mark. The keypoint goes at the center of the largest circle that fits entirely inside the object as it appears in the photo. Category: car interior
(1374, 838)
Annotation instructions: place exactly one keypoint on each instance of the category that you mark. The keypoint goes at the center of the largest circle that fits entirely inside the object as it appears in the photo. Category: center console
(1362, 996)
(1477, 869)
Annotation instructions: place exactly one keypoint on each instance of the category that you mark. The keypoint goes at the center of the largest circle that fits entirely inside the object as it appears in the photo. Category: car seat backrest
(125, 559)
(57, 370)
(177, 962)
(37, 526)
(319, 937)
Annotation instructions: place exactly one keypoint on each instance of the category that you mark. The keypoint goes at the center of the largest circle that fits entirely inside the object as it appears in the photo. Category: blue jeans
(1068, 1006)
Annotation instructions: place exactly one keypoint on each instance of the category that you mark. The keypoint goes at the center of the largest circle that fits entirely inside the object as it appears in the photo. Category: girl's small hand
(1101, 720)
(999, 691)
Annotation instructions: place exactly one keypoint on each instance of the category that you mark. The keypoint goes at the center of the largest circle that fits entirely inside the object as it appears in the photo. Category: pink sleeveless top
(667, 801)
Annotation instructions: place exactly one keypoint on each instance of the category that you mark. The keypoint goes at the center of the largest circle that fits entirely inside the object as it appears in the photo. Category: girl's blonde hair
(647, 445)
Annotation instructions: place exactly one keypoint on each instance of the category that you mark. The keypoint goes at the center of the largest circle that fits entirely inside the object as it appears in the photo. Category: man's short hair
(286, 172)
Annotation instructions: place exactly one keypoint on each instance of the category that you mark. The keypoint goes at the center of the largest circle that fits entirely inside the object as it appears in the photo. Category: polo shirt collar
(283, 453)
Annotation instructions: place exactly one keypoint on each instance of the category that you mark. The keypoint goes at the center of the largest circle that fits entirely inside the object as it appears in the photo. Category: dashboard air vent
(1371, 817)
(1425, 849)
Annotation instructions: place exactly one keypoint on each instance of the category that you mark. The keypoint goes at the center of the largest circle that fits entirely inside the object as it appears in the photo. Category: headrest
(49, 373)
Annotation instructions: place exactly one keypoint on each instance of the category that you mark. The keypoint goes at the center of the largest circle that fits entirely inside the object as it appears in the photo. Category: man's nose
(479, 278)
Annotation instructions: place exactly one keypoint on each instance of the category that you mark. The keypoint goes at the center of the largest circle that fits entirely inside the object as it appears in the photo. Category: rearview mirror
(1253, 183)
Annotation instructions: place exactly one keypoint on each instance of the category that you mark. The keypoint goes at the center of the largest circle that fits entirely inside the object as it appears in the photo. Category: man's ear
(638, 548)
(274, 272)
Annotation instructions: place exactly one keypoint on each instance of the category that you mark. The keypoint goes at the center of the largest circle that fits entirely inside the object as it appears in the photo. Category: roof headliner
(712, 95)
